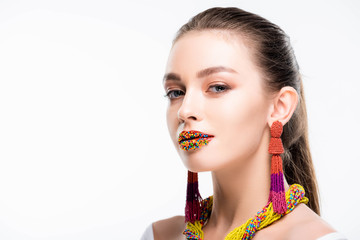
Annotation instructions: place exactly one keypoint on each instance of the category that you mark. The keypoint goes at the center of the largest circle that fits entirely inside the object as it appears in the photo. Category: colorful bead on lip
(190, 140)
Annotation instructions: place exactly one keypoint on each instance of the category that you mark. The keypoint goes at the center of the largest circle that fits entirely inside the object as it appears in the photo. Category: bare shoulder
(169, 228)
(301, 223)
(308, 225)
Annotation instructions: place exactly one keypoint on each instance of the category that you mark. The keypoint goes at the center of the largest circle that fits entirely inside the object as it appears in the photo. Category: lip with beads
(190, 140)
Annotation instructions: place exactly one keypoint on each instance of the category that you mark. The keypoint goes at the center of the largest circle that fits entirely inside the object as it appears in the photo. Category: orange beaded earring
(193, 199)
(277, 189)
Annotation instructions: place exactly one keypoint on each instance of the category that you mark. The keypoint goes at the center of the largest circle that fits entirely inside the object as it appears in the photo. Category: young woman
(236, 108)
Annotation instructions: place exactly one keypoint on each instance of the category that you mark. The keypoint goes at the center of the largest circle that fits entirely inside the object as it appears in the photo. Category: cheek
(172, 122)
(240, 122)
(238, 109)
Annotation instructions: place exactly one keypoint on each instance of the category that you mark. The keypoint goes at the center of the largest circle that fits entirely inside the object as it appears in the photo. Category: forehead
(199, 50)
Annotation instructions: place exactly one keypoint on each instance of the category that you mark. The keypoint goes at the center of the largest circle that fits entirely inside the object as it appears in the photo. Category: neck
(241, 191)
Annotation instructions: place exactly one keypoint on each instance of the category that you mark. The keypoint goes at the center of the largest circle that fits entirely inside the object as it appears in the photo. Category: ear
(283, 106)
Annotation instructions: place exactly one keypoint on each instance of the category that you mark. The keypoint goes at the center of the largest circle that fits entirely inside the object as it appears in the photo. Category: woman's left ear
(284, 105)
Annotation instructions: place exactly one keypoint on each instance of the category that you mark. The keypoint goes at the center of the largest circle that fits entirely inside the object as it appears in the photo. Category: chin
(203, 159)
(197, 169)
(200, 165)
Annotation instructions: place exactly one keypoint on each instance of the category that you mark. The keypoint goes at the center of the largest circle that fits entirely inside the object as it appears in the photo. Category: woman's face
(214, 87)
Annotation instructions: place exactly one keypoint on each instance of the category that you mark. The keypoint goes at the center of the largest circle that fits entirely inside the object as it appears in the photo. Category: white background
(84, 147)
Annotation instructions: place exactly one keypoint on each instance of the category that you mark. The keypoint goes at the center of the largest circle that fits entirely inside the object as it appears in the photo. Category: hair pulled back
(273, 54)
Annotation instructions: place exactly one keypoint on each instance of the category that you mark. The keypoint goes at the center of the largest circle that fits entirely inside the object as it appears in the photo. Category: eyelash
(216, 85)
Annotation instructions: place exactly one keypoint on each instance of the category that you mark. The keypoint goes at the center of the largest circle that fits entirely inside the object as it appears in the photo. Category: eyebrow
(202, 73)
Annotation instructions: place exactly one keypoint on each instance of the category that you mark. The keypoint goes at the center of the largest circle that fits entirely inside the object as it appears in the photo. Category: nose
(190, 108)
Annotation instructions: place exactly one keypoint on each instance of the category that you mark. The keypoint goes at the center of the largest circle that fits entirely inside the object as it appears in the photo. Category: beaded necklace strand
(263, 218)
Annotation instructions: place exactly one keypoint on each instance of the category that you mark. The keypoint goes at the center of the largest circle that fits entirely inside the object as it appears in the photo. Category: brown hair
(275, 57)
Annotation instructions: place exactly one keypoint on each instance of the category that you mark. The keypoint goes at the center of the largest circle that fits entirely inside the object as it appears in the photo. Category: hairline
(235, 36)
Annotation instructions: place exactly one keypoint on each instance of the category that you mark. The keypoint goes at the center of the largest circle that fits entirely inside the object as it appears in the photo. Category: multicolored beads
(277, 190)
(263, 218)
(193, 143)
(190, 140)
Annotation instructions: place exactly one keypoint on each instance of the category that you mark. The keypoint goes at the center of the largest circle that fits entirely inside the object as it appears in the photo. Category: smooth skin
(214, 86)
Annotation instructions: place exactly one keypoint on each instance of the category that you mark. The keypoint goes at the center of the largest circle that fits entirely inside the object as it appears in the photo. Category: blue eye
(173, 94)
(221, 88)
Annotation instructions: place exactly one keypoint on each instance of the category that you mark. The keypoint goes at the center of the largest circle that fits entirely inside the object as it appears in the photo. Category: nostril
(182, 120)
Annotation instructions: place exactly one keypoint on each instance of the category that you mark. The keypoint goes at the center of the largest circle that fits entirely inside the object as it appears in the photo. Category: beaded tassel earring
(277, 189)
(193, 199)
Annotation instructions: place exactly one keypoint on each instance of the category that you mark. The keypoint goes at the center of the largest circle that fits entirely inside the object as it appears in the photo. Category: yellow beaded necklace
(265, 217)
